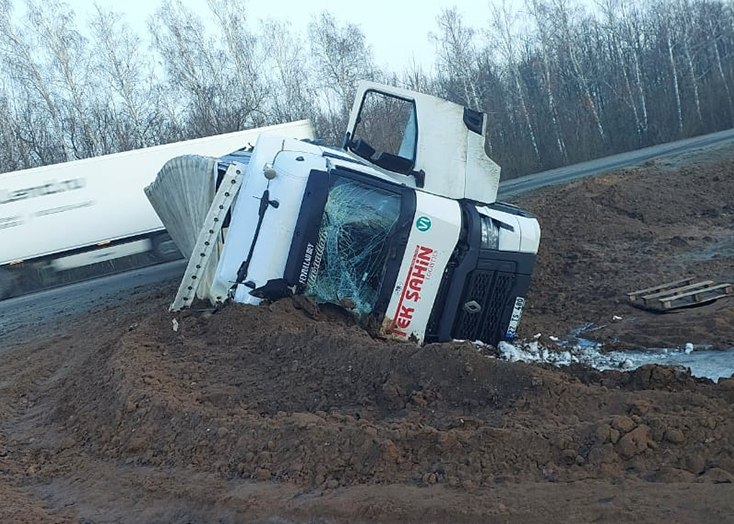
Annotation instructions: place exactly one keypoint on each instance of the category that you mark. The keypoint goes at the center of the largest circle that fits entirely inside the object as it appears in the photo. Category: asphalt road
(562, 175)
(42, 312)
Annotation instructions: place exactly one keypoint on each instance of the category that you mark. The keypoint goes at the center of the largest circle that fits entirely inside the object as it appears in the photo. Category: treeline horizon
(561, 84)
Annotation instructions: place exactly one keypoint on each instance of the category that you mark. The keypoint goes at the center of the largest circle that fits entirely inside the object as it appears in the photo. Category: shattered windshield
(353, 244)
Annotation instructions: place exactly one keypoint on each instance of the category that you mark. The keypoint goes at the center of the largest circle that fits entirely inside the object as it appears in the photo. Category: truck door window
(386, 132)
(353, 244)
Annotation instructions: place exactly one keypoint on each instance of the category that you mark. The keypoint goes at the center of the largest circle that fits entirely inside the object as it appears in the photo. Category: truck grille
(491, 290)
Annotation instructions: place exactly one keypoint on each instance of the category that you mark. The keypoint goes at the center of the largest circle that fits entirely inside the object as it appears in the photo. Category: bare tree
(571, 45)
(179, 37)
(241, 56)
(684, 16)
(69, 59)
(458, 57)
(543, 26)
(31, 83)
(625, 49)
(504, 25)
(715, 31)
(12, 155)
(292, 94)
(667, 29)
(212, 76)
(130, 78)
(415, 78)
(341, 58)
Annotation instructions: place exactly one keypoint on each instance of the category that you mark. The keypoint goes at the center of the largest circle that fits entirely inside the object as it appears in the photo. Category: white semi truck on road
(63, 216)
(400, 226)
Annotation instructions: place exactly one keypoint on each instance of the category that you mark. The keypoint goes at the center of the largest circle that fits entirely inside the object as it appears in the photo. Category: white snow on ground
(702, 363)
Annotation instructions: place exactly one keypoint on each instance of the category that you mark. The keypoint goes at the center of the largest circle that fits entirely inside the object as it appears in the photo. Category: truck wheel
(7, 283)
(165, 249)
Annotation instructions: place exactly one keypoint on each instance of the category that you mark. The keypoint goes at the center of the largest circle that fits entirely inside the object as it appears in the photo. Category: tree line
(560, 83)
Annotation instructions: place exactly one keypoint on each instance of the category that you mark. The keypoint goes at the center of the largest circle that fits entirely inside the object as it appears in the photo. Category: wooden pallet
(678, 294)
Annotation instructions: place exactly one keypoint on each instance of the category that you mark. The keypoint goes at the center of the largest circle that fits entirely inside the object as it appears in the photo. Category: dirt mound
(306, 401)
(320, 403)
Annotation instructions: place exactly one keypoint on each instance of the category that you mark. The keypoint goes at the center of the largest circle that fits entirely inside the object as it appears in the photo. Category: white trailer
(87, 211)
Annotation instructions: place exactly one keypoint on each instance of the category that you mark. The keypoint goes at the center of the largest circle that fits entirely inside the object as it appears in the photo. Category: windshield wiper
(265, 203)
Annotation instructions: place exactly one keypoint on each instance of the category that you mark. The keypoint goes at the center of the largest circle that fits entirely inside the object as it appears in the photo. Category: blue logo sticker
(423, 223)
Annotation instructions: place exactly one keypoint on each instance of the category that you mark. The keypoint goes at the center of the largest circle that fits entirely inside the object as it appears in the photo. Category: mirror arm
(420, 178)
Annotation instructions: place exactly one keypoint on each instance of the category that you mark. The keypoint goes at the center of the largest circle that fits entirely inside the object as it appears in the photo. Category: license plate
(515, 318)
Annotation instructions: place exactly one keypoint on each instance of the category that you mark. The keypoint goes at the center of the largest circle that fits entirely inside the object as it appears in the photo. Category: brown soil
(287, 413)
(607, 236)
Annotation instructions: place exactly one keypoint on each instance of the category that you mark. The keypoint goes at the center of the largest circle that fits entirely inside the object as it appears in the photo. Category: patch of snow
(702, 363)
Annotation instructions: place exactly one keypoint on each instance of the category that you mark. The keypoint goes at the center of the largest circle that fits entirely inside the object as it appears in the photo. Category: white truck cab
(400, 226)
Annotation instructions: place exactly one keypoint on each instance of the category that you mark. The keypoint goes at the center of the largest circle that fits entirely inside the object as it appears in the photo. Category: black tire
(165, 249)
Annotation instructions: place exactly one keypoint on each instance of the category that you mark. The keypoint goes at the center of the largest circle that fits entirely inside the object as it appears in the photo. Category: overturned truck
(400, 226)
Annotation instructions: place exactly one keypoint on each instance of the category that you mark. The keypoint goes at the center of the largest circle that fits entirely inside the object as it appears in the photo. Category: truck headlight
(490, 233)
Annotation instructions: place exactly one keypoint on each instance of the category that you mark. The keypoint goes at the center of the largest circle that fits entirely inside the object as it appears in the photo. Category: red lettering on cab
(417, 274)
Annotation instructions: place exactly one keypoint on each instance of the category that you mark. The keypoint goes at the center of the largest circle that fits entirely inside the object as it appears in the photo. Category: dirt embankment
(607, 236)
(318, 403)
(285, 413)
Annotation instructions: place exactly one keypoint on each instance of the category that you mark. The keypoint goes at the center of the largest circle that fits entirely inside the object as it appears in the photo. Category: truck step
(681, 293)
(207, 239)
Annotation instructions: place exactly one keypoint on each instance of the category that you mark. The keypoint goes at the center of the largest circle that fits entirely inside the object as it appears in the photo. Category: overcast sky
(397, 30)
